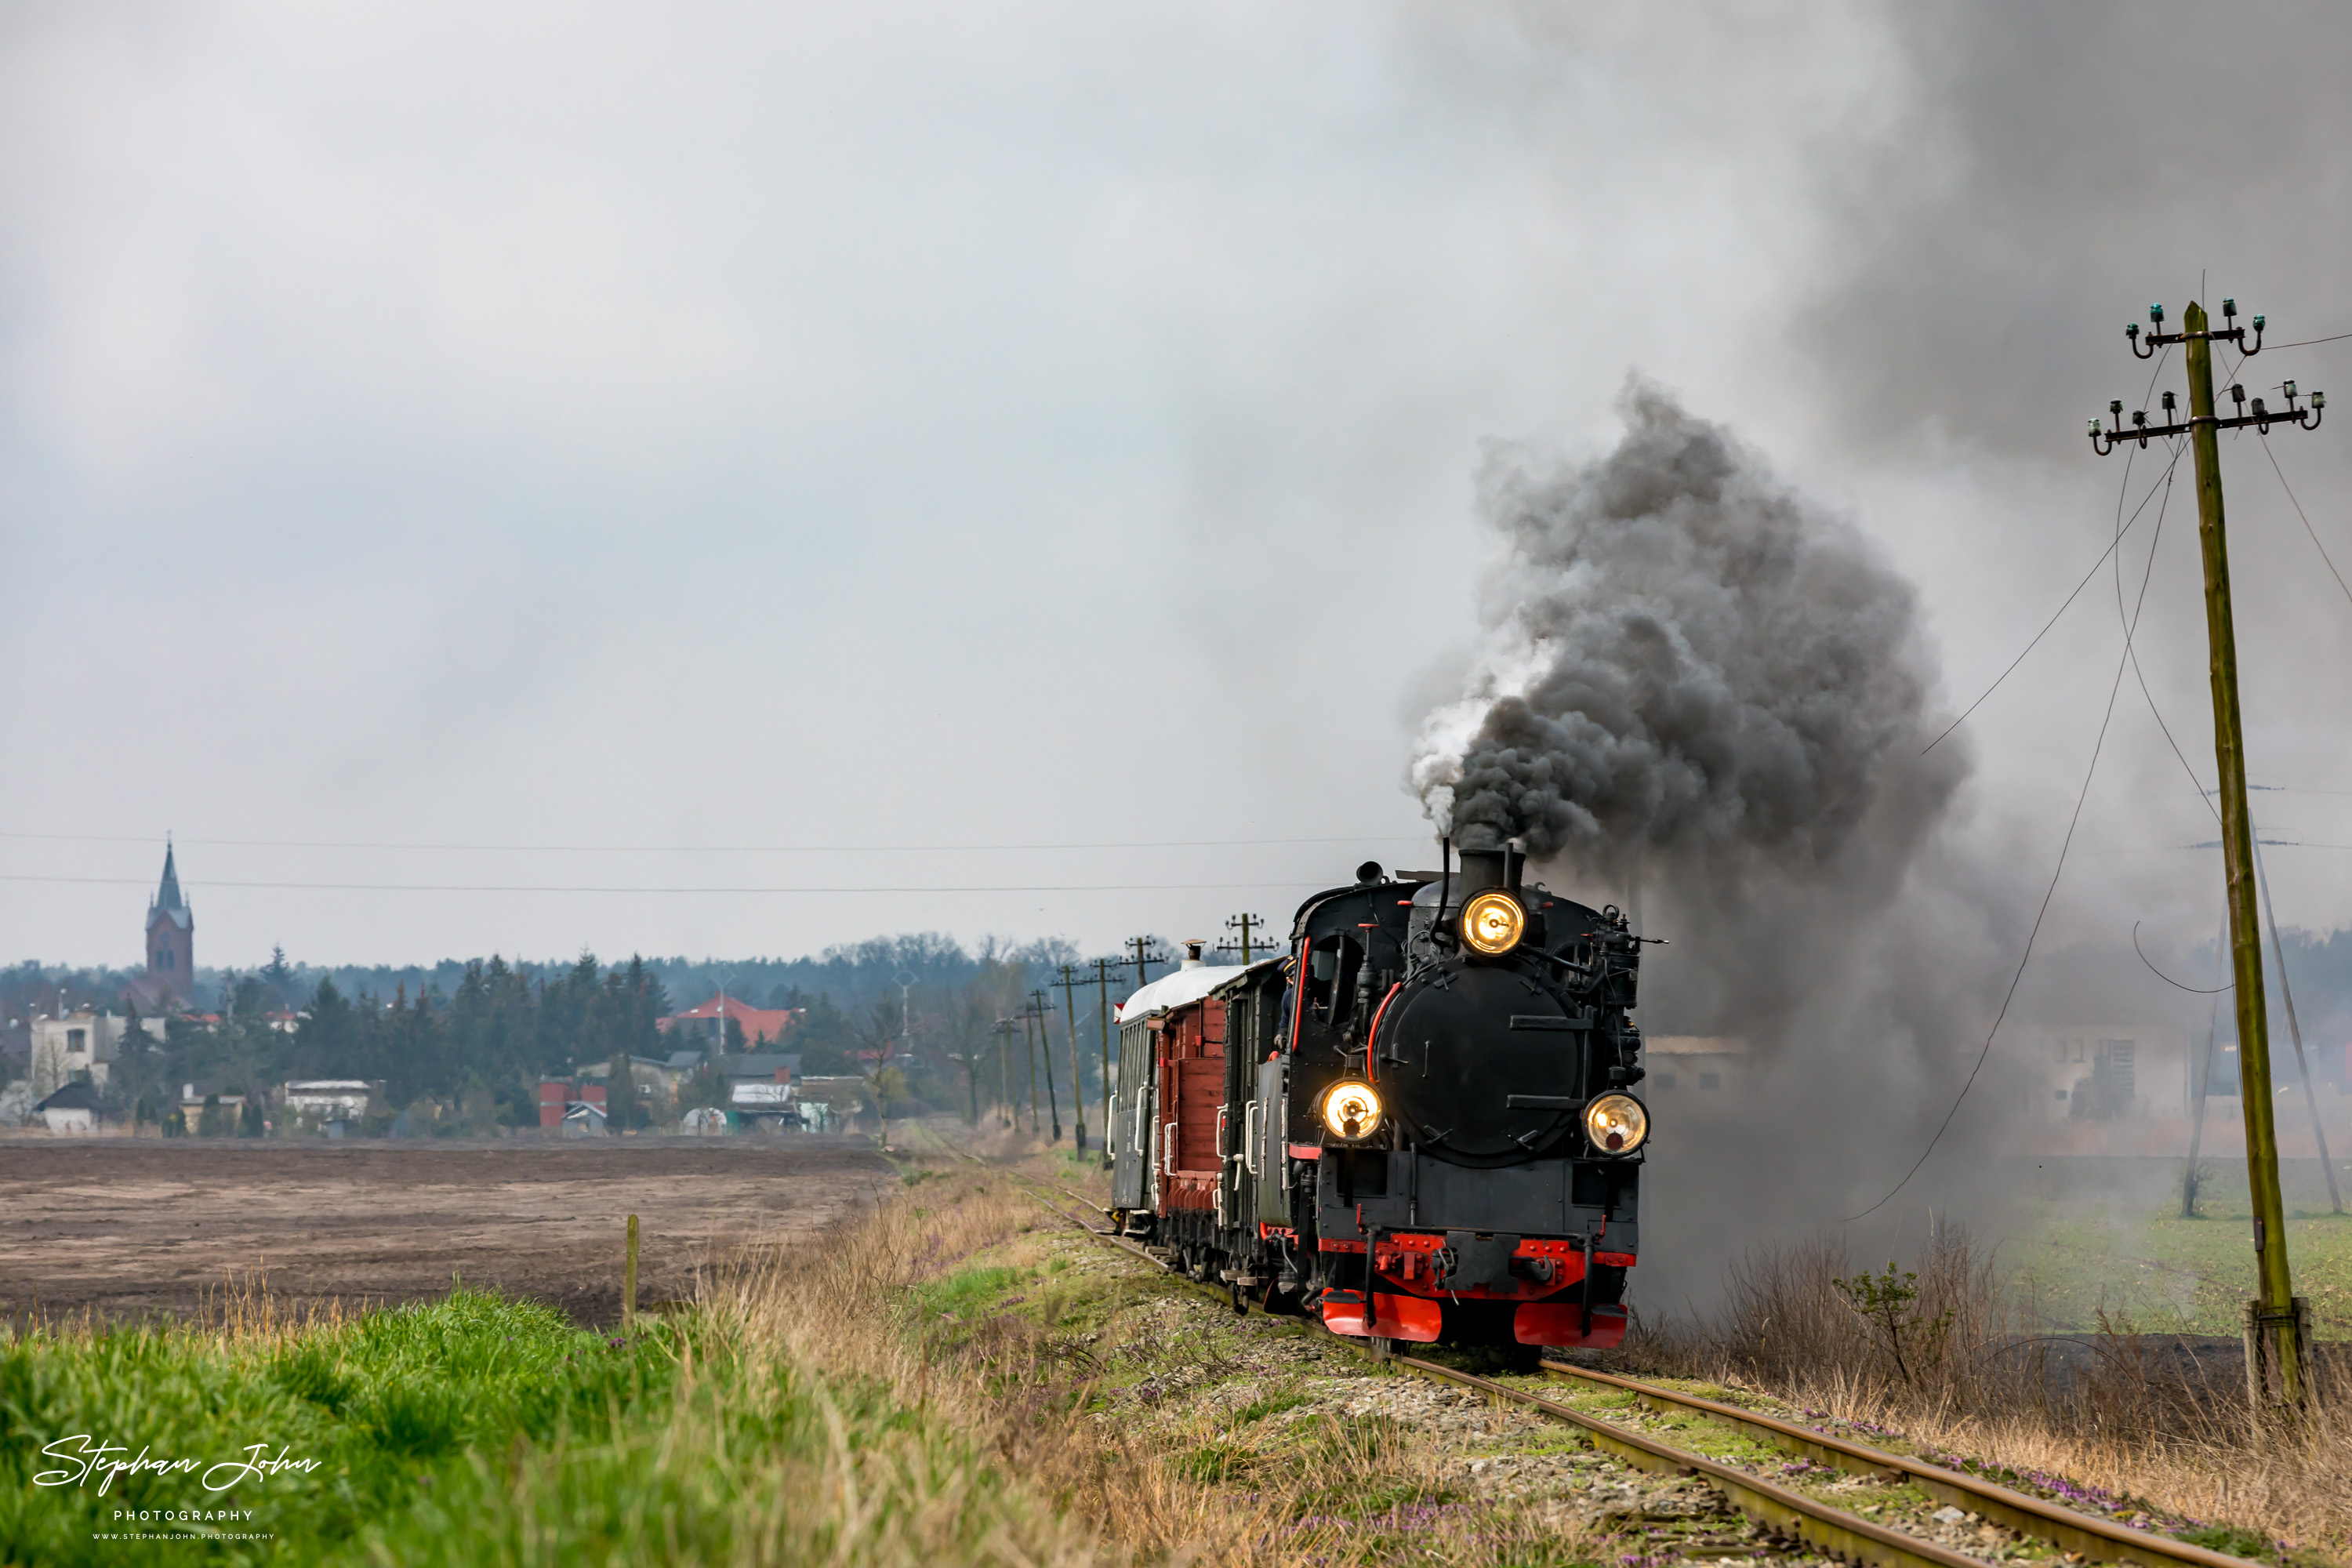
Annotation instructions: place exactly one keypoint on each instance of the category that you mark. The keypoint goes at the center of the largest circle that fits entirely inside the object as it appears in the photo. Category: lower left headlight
(1352, 1110)
(1617, 1124)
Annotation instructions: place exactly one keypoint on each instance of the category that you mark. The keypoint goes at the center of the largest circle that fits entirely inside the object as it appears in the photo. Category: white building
(1700, 1067)
(81, 1045)
(2099, 1072)
(318, 1102)
(71, 1110)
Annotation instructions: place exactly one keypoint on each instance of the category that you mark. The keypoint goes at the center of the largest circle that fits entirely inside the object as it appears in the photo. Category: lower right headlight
(1616, 1124)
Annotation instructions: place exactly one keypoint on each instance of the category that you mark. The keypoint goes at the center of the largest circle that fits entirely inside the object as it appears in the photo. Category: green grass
(2137, 1259)
(475, 1430)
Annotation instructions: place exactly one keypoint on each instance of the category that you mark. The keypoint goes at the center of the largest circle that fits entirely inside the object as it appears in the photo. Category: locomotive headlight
(1493, 922)
(1616, 1124)
(1352, 1110)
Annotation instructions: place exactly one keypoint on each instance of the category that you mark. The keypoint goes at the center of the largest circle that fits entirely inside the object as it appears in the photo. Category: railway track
(1790, 1516)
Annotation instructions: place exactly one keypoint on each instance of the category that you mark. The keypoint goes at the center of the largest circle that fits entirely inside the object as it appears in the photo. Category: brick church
(170, 982)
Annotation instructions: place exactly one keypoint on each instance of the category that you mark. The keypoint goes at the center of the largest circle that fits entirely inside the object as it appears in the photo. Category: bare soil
(124, 1228)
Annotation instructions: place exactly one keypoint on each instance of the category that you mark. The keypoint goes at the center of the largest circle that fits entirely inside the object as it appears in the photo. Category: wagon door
(1131, 1118)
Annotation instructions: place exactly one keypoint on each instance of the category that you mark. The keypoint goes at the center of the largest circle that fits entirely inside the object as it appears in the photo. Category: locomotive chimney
(1481, 869)
(1192, 946)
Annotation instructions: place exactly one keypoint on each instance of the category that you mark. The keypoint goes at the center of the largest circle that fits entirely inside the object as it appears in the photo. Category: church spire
(167, 897)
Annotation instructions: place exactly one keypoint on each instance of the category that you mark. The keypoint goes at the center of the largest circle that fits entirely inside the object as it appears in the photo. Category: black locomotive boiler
(1420, 1124)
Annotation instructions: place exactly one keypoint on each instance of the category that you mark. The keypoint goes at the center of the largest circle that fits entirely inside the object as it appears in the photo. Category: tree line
(468, 1057)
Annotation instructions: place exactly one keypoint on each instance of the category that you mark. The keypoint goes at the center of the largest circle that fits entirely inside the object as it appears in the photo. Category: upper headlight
(1493, 922)
(1616, 1124)
(1352, 1108)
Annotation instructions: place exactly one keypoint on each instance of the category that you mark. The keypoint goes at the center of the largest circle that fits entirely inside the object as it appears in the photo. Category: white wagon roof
(1185, 985)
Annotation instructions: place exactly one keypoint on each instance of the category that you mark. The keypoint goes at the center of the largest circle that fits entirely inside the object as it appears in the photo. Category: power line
(492, 887)
(711, 849)
(2049, 893)
(2111, 544)
(2141, 675)
(2306, 342)
(2306, 522)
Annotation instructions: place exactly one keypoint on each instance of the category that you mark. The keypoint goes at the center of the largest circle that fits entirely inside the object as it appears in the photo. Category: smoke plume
(1697, 680)
(1685, 660)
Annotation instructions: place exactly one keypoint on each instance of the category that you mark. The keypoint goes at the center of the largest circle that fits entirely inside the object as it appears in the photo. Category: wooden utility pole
(1103, 966)
(1139, 948)
(1039, 1008)
(1243, 924)
(2277, 1328)
(1029, 1048)
(1077, 1079)
(1006, 1113)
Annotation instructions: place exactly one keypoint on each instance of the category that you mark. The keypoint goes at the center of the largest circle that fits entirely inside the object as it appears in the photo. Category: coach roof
(1184, 987)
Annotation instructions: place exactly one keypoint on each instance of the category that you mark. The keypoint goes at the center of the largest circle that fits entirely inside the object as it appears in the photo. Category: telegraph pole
(1103, 966)
(1077, 1079)
(1007, 1112)
(1243, 924)
(1039, 1008)
(1139, 948)
(2277, 1324)
(1029, 1048)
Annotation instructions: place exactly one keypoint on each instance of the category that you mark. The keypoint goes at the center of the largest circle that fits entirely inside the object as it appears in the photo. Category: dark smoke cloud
(1686, 659)
(1694, 676)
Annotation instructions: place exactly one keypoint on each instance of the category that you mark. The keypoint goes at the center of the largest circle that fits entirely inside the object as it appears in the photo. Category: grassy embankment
(481, 1430)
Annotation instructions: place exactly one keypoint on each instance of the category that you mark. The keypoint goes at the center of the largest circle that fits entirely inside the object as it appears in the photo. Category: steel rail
(1787, 1514)
(2073, 1531)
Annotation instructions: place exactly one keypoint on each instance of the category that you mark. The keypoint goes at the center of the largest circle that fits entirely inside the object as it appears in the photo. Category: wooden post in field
(629, 1283)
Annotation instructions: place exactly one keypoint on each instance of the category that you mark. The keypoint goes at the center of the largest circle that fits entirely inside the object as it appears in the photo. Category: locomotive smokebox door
(1483, 1066)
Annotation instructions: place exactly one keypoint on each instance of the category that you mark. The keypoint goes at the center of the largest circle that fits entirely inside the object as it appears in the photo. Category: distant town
(492, 1047)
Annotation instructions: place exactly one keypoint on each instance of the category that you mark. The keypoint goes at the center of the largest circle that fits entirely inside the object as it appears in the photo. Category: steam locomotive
(1418, 1124)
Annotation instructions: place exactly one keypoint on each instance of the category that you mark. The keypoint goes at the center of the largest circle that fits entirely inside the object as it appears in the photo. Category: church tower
(171, 940)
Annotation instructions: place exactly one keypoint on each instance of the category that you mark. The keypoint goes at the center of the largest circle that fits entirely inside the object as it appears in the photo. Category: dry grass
(2131, 1415)
(1193, 1483)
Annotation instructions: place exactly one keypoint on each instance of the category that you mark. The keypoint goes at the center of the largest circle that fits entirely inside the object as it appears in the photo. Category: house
(331, 1104)
(829, 1102)
(2104, 1072)
(1704, 1068)
(764, 1104)
(81, 1045)
(570, 1106)
(708, 1023)
(646, 1073)
(193, 1095)
(71, 1110)
(777, 1066)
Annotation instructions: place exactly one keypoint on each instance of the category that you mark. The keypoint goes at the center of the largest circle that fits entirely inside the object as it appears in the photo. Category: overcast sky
(870, 433)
